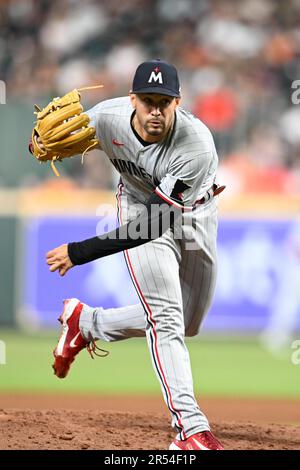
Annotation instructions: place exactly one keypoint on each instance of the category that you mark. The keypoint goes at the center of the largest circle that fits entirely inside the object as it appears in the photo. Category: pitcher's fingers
(64, 270)
(51, 254)
(54, 267)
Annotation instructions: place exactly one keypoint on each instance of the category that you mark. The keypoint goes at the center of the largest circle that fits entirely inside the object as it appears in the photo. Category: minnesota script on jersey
(186, 156)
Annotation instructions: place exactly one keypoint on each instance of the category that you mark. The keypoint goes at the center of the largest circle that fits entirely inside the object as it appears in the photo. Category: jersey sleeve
(95, 115)
(182, 184)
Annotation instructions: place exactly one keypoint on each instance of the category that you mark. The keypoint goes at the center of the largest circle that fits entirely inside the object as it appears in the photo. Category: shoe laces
(92, 349)
(91, 346)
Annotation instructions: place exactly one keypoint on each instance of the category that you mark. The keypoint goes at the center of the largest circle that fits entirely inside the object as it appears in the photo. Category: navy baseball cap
(156, 76)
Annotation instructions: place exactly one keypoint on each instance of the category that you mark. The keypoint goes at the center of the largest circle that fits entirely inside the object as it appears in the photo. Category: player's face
(154, 115)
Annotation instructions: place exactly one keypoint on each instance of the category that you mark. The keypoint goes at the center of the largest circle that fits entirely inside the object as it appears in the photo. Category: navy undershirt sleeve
(154, 220)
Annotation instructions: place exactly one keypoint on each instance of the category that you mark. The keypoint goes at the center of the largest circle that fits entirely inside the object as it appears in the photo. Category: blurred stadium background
(238, 62)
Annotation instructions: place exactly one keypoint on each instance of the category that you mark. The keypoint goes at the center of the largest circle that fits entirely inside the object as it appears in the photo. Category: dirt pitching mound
(110, 430)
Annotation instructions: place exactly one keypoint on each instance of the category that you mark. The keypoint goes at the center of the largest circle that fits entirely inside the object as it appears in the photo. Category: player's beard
(154, 130)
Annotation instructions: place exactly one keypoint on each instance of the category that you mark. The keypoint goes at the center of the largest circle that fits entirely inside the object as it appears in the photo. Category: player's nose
(156, 111)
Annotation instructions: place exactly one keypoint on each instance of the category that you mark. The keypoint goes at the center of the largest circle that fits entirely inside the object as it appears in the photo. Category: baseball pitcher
(168, 225)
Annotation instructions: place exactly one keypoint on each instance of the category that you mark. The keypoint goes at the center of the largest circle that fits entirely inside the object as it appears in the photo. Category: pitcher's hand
(39, 141)
(58, 258)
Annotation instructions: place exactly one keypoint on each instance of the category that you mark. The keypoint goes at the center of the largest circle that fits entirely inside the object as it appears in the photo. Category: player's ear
(177, 101)
(133, 99)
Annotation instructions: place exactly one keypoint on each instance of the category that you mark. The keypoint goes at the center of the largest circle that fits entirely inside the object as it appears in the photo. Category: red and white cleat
(201, 441)
(71, 341)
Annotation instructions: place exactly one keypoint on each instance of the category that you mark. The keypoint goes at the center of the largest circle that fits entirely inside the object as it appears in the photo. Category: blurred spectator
(219, 110)
(258, 167)
(237, 61)
(289, 125)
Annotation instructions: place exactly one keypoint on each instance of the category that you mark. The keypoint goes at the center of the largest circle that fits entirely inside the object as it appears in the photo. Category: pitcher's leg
(112, 324)
(198, 269)
(198, 279)
(155, 272)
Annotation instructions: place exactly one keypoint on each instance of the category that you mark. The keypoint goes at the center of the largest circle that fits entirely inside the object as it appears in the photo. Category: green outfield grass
(224, 367)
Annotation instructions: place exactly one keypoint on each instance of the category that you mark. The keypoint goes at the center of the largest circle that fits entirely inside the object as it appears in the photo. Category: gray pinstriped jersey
(187, 153)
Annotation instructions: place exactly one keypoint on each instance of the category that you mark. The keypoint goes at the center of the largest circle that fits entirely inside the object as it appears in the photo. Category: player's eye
(165, 103)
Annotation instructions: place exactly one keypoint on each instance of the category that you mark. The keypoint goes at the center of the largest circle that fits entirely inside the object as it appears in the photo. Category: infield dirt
(72, 422)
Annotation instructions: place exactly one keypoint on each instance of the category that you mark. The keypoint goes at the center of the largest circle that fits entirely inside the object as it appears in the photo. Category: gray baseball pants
(175, 281)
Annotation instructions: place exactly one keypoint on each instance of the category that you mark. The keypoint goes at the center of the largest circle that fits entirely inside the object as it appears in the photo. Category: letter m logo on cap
(155, 77)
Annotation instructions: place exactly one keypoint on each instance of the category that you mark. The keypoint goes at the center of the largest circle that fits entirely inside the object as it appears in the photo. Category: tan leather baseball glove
(63, 129)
